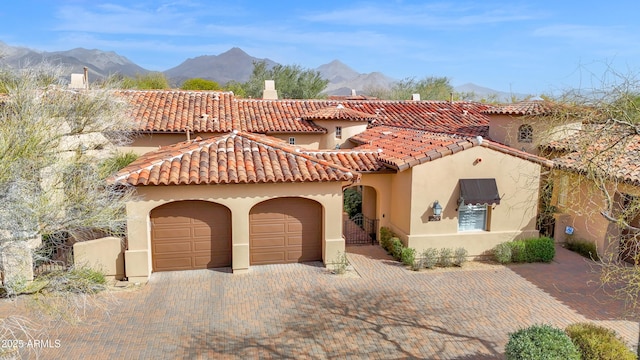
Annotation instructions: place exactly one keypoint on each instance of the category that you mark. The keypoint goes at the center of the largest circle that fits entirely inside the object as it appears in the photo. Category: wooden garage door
(189, 235)
(285, 230)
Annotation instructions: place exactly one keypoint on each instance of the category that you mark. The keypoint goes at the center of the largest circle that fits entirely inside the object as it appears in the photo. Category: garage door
(189, 235)
(285, 230)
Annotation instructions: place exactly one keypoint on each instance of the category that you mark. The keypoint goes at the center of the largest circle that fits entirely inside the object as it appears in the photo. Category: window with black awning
(478, 192)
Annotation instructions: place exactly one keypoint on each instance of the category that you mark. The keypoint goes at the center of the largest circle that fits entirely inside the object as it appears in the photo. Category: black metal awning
(478, 191)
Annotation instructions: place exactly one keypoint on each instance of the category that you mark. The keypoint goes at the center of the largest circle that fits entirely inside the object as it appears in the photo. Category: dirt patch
(466, 266)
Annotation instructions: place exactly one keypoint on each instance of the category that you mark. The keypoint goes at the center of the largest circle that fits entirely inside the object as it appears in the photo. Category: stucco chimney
(415, 97)
(353, 92)
(270, 92)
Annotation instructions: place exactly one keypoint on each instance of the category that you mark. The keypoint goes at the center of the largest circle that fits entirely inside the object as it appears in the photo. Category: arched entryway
(285, 230)
(187, 235)
(360, 225)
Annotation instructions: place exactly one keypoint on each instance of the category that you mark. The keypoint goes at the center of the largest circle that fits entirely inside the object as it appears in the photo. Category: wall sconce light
(437, 211)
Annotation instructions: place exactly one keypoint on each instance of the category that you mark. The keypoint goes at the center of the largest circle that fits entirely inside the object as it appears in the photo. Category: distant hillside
(234, 64)
(100, 63)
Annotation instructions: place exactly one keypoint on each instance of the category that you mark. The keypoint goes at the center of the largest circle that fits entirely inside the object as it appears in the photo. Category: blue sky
(520, 46)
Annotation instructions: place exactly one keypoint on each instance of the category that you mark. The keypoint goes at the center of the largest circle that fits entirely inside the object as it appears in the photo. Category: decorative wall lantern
(437, 211)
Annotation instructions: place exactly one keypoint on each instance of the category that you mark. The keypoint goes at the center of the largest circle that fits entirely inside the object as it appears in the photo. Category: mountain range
(232, 65)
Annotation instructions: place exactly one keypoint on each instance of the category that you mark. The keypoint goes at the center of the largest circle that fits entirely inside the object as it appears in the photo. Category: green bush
(502, 253)
(597, 342)
(396, 248)
(445, 259)
(518, 251)
(460, 256)
(430, 258)
(585, 248)
(541, 249)
(408, 256)
(385, 238)
(540, 342)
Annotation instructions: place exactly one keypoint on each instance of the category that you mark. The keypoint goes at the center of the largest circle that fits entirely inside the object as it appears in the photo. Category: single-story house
(239, 192)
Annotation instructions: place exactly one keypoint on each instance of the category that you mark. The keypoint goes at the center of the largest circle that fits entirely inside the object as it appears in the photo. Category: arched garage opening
(187, 235)
(285, 230)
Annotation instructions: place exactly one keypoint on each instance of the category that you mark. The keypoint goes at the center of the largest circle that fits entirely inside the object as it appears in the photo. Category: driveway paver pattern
(301, 311)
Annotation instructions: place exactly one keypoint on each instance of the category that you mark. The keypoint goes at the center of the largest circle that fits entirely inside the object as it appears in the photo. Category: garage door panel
(190, 235)
(273, 257)
(267, 228)
(292, 236)
(171, 234)
(174, 247)
(269, 241)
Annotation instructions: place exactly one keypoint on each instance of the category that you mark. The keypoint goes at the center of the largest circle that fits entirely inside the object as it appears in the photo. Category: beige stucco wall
(515, 217)
(504, 129)
(105, 255)
(143, 143)
(239, 198)
(582, 210)
(305, 141)
(349, 129)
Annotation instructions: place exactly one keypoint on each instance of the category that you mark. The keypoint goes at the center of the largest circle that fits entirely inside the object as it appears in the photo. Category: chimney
(270, 92)
(80, 81)
(353, 92)
(415, 97)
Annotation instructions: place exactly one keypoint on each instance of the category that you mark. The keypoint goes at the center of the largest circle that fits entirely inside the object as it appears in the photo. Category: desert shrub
(460, 256)
(408, 256)
(597, 342)
(76, 280)
(396, 248)
(518, 251)
(541, 249)
(502, 253)
(445, 258)
(430, 258)
(340, 263)
(540, 342)
(385, 238)
(584, 248)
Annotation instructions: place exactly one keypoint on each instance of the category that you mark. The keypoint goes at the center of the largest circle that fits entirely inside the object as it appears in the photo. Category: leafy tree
(200, 84)
(429, 88)
(292, 81)
(149, 81)
(237, 89)
(352, 201)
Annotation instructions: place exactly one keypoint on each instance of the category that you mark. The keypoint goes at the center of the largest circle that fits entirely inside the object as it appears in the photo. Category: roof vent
(204, 116)
(415, 97)
(340, 106)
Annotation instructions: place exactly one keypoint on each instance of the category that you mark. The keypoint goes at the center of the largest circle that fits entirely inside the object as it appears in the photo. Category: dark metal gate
(360, 230)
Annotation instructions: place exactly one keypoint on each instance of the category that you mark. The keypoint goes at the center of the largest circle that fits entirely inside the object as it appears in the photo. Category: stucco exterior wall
(349, 129)
(239, 198)
(400, 204)
(105, 254)
(515, 217)
(143, 143)
(504, 129)
(305, 141)
(582, 210)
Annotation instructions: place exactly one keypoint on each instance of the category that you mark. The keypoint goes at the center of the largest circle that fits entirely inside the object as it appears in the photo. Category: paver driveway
(301, 311)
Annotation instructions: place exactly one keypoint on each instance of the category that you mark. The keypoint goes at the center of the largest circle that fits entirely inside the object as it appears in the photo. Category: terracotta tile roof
(357, 160)
(404, 148)
(527, 107)
(613, 152)
(338, 112)
(230, 158)
(174, 110)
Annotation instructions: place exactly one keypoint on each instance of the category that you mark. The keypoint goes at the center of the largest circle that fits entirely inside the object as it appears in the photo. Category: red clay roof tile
(231, 158)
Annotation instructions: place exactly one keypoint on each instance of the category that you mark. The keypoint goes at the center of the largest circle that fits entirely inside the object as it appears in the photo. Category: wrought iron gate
(360, 230)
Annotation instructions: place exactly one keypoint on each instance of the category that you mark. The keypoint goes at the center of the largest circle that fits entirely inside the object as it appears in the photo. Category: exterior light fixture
(437, 211)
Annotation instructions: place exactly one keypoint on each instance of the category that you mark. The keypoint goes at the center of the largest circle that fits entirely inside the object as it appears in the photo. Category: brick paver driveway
(301, 311)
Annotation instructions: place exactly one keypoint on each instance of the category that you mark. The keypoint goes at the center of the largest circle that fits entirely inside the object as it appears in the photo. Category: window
(525, 133)
(472, 217)
(292, 141)
(338, 132)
